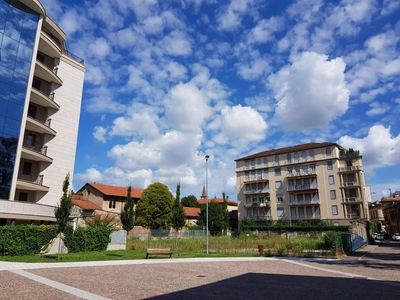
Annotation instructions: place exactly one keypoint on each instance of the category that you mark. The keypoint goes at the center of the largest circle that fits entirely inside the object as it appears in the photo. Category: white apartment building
(303, 182)
(41, 86)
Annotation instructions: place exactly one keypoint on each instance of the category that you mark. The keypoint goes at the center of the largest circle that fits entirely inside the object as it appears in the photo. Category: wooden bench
(158, 251)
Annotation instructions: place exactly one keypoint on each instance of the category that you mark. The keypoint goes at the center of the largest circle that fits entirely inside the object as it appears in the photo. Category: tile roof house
(232, 205)
(88, 208)
(192, 215)
(109, 198)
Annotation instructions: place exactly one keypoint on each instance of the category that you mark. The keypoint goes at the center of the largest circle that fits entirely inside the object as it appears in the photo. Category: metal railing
(304, 202)
(256, 178)
(349, 184)
(302, 187)
(302, 173)
(351, 168)
(256, 191)
(305, 217)
(257, 204)
(41, 149)
(352, 199)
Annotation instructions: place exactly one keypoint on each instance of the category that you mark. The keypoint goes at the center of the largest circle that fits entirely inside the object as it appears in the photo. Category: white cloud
(102, 104)
(265, 29)
(99, 133)
(379, 148)
(311, 92)
(377, 109)
(231, 16)
(71, 22)
(141, 125)
(100, 48)
(389, 7)
(153, 25)
(91, 175)
(177, 43)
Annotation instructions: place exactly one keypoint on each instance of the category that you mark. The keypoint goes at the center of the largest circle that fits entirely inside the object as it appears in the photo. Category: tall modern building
(41, 87)
(302, 182)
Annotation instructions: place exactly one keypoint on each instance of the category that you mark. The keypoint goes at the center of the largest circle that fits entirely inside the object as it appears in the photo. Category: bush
(25, 239)
(85, 239)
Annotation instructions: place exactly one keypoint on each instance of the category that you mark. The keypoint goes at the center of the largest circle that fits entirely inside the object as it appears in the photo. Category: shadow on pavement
(270, 286)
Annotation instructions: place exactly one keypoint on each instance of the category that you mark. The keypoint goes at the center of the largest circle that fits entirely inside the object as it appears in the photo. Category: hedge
(280, 228)
(25, 239)
(85, 239)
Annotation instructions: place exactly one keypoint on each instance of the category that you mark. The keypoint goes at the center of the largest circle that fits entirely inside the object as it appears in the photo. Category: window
(246, 165)
(259, 174)
(277, 171)
(31, 140)
(253, 175)
(277, 160)
(260, 185)
(289, 170)
(23, 196)
(248, 187)
(111, 204)
(258, 162)
(331, 179)
(303, 156)
(36, 83)
(335, 223)
(246, 175)
(40, 57)
(278, 184)
(32, 111)
(280, 211)
(333, 194)
(265, 162)
(312, 155)
(296, 157)
(27, 169)
(253, 164)
(334, 210)
(279, 198)
(328, 151)
(349, 163)
(329, 163)
(265, 174)
(289, 158)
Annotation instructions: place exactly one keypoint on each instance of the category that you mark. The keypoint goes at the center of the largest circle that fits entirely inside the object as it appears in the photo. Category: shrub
(25, 239)
(85, 239)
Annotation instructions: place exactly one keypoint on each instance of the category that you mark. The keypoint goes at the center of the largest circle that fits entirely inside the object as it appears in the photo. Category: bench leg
(147, 256)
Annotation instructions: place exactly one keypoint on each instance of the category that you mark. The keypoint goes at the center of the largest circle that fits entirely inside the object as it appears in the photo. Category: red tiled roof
(119, 191)
(84, 204)
(191, 211)
(217, 200)
(295, 148)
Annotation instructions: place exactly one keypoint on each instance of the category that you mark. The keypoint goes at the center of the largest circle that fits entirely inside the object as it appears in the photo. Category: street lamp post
(207, 157)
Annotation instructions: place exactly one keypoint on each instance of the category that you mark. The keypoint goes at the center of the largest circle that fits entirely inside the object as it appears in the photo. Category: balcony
(305, 202)
(47, 73)
(35, 153)
(349, 184)
(31, 183)
(49, 46)
(352, 216)
(352, 200)
(26, 210)
(350, 169)
(310, 172)
(256, 178)
(39, 125)
(42, 99)
(260, 218)
(257, 204)
(305, 217)
(302, 187)
(261, 166)
(256, 191)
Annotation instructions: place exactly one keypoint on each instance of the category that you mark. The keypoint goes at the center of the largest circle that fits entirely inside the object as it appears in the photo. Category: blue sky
(170, 81)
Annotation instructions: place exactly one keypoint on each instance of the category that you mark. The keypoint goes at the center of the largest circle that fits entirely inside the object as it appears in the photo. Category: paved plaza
(372, 274)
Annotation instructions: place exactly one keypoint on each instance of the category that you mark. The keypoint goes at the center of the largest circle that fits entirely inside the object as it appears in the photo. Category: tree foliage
(128, 213)
(109, 220)
(62, 210)
(178, 215)
(154, 209)
(190, 201)
(215, 217)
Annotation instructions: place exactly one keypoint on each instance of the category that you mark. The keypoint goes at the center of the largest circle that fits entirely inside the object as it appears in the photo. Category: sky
(170, 81)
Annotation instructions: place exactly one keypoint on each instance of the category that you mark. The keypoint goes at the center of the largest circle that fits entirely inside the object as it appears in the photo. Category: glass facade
(18, 25)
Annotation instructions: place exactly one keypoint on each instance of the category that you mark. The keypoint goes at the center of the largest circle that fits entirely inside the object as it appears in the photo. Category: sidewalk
(361, 252)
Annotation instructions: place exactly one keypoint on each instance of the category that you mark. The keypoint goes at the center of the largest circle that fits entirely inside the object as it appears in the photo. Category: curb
(368, 252)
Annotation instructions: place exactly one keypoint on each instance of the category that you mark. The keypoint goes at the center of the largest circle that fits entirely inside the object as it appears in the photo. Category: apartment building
(303, 182)
(40, 98)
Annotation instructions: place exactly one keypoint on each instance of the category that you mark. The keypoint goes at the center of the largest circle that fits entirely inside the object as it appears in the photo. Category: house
(40, 105)
(376, 215)
(309, 181)
(192, 215)
(89, 209)
(391, 213)
(232, 205)
(109, 198)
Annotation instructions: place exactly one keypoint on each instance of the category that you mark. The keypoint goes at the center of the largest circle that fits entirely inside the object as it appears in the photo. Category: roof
(113, 190)
(84, 204)
(217, 200)
(192, 211)
(295, 148)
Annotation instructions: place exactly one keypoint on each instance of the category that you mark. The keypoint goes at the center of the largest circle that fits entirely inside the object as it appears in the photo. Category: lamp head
(207, 156)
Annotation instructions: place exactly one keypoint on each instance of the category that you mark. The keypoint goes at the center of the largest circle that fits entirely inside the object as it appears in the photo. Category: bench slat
(166, 251)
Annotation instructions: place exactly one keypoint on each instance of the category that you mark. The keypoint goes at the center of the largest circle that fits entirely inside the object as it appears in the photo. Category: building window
(333, 194)
(349, 163)
(312, 155)
(280, 211)
(246, 165)
(279, 198)
(330, 166)
(246, 175)
(23, 196)
(253, 164)
(111, 204)
(296, 157)
(303, 156)
(334, 210)
(258, 162)
(31, 140)
(289, 158)
(335, 223)
(328, 151)
(331, 179)
(27, 169)
(277, 160)
(265, 162)
(278, 184)
(277, 171)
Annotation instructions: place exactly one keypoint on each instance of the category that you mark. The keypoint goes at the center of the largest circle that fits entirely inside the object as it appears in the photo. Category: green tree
(178, 216)
(190, 201)
(62, 211)
(215, 217)
(154, 209)
(128, 214)
(225, 214)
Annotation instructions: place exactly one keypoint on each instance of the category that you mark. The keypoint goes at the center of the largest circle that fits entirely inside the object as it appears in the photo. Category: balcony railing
(349, 184)
(302, 173)
(259, 218)
(351, 169)
(256, 178)
(302, 187)
(261, 166)
(257, 204)
(305, 217)
(351, 216)
(41, 118)
(48, 96)
(352, 200)
(42, 150)
(36, 179)
(256, 191)
(304, 202)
